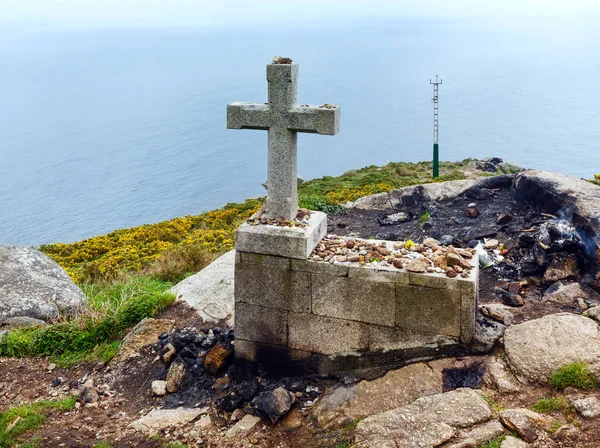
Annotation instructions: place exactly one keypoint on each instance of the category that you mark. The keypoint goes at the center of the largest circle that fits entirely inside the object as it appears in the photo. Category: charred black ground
(536, 231)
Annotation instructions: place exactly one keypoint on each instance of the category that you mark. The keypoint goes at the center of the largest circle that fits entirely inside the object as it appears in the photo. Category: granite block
(271, 287)
(259, 324)
(379, 274)
(353, 298)
(326, 335)
(428, 310)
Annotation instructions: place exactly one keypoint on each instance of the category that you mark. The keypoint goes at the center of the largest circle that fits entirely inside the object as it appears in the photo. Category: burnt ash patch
(536, 232)
(233, 385)
(469, 376)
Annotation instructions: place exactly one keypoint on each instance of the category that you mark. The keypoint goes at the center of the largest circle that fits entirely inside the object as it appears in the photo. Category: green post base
(436, 160)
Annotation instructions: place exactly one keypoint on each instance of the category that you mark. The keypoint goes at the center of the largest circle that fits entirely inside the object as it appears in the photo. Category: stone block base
(324, 317)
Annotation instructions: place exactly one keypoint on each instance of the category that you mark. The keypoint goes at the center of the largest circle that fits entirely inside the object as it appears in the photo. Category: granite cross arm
(283, 118)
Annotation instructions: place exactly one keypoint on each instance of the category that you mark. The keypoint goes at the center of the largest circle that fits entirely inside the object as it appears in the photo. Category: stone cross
(283, 118)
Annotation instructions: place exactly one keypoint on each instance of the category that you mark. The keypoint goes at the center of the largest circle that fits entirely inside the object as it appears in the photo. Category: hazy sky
(84, 13)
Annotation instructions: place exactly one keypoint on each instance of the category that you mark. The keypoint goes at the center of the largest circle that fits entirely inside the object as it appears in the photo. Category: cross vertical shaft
(282, 198)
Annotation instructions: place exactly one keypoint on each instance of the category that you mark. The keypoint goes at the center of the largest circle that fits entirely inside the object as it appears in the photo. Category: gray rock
(528, 424)
(498, 312)
(396, 388)
(535, 349)
(501, 377)
(88, 393)
(594, 313)
(33, 285)
(474, 437)
(564, 294)
(509, 167)
(176, 376)
(513, 442)
(427, 422)
(159, 387)
(446, 240)
(429, 192)
(333, 404)
(487, 333)
(204, 422)
(393, 218)
(145, 333)
(22, 322)
(159, 419)
(210, 291)
(274, 404)
(247, 423)
(566, 433)
(588, 407)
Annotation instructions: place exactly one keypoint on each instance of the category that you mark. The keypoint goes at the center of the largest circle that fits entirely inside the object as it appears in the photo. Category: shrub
(167, 249)
(179, 262)
(576, 374)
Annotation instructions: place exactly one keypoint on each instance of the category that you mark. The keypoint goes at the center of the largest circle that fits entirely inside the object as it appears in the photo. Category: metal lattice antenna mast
(436, 148)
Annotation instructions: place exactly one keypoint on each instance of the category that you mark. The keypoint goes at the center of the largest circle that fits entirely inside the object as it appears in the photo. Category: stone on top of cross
(283, 118)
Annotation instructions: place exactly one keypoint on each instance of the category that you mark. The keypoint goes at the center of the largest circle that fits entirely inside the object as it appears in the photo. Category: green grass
(103, 445)
(166, 444)
(94, 335)
(576, 374)
(551, 404)
(318, 203)
(29, 417)
(33, 443)
(424, 218)
(493, 443)
(492, 403)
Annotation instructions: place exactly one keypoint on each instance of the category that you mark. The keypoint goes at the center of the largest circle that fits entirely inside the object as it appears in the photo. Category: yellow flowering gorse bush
(351, 194)
(127, 250)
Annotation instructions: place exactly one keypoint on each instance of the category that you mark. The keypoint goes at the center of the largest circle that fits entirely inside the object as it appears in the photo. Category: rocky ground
(458, 402)
(173, 379)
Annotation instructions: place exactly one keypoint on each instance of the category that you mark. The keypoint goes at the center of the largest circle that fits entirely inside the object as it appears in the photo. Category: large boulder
(160, 419)
(210, 291)
(535, 349)
(394, 389)
(427, 422)
(146, 332)
(428, 192)
(33, 285)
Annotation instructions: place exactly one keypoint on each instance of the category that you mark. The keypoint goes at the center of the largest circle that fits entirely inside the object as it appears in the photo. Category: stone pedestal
(303, 316)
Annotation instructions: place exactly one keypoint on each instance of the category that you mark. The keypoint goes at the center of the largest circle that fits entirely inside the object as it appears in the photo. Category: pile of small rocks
(191, 354)
(430, 256)
(301, 220)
